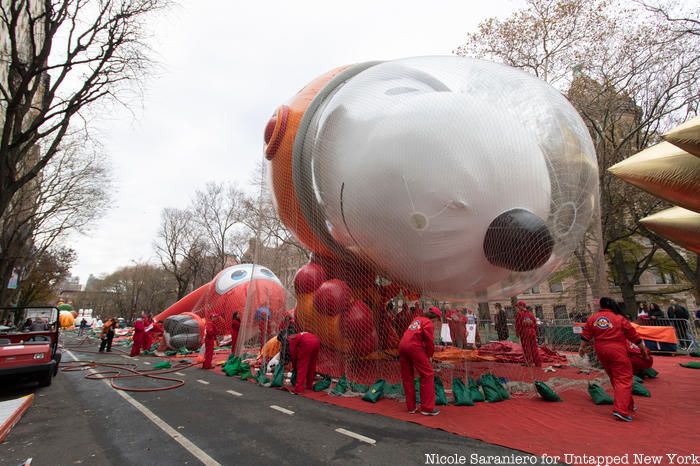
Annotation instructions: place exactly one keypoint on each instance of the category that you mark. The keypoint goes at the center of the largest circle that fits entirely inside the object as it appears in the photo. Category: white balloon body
(410, 161)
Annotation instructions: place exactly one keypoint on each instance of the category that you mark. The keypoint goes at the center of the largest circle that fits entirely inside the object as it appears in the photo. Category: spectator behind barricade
(643, 314)
(697, 317)
(680, 317)
(501, 322)
(655, 312)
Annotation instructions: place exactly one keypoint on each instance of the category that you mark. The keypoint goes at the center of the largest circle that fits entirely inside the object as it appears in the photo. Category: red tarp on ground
(661, 334)
(665, 423)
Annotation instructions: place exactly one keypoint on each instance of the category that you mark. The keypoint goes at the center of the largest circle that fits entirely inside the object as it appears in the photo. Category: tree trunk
(626, 285)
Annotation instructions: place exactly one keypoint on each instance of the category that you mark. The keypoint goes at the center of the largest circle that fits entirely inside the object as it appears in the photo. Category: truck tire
(46, 378)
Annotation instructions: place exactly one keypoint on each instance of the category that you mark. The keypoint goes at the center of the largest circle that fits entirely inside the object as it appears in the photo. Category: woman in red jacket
(415, 352)
(610, 330)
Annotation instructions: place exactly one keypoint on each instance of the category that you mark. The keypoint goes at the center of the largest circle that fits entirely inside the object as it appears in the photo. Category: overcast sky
(224, 67)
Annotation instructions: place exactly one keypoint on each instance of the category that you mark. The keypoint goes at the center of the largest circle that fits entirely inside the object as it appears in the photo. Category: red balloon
(332, 297)
(309, 278)
(365, 345)
(356, 321)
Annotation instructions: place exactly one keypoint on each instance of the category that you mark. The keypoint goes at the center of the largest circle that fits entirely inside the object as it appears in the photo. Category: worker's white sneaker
(434, 412)
(622, 417)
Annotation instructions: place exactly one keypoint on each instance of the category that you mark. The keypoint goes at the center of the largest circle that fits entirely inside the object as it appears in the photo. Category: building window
(539, 311)
(535, 289)
(659, 278)
(560, 311)
(556, 287)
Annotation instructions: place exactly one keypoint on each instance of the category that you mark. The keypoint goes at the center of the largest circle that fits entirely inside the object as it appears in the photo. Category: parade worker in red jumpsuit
(235, 328)
(640, 361)
(526, 329)
(263, 316)
(610, 331)
(137, 342)
(209, 342)
(415, 352)
(301, 349)
(148, 331)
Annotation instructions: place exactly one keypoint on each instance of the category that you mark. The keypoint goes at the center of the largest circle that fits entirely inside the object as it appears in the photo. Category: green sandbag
(278, 376)
(691, 365)
(461, 393)
(695, 354)
(639, 389)
(231, 357)
(232, 366)
(293, 378)
(395, 389)
(261, 378)
(474, 391)
(341, 386)
(375, 392)
(184, 351)
(546, 392)
(323, 384)
(163, 365)
(651, 373)
(491, 388)
(599, 395)
(358, 387)
(440, 397)
(638, 379)
(170, 353)
(245, 371)
(505, 394)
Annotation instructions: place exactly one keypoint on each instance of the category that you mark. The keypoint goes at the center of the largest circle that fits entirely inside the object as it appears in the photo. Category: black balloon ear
(518, 240)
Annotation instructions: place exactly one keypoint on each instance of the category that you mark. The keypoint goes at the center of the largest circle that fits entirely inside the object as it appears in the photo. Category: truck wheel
(46, 378)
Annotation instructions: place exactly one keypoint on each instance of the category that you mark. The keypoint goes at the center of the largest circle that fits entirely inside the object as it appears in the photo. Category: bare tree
(69, 194)
(217, 209)
(62, 58)
(180, 247)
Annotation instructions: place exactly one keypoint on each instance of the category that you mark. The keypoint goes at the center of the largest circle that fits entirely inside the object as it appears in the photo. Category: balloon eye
(266, 272)
(274, 131)
(238, 274)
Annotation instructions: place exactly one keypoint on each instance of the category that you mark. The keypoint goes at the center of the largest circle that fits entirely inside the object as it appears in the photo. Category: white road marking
(179, 438)
(203, 381)
(125, 356)
(234, 393)
(359, 437)
(179, 373)
(146, 362)
(281, 410)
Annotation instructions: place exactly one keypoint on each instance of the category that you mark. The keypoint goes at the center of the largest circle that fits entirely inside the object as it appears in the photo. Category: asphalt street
(212, 419)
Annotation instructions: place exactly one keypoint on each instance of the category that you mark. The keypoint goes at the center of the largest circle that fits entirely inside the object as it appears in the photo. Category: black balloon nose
(518, 240)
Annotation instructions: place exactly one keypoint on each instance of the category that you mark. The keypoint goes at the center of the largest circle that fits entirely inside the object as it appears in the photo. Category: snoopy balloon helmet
(456, 177)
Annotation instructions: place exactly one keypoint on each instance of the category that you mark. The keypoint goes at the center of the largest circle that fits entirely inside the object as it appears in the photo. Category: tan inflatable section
(686, 136)
(665, 171)
(680, 225)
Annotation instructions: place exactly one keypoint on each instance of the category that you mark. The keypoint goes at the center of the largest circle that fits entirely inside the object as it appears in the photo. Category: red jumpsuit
(526, 329)
(610, 333)
(403, 320)
(303, 350)
(415, 350)
(137, 343)
(148, 334)
(639, 364)
(209, 342)
(235, 328)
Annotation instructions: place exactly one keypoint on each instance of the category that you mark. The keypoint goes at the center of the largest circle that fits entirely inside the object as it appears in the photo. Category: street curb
(14, 418)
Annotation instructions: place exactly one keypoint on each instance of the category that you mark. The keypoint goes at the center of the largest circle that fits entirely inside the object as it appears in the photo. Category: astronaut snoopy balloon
(451, 177)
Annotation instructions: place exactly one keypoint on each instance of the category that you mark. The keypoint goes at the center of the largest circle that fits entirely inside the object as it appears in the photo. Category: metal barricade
(687, 333)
